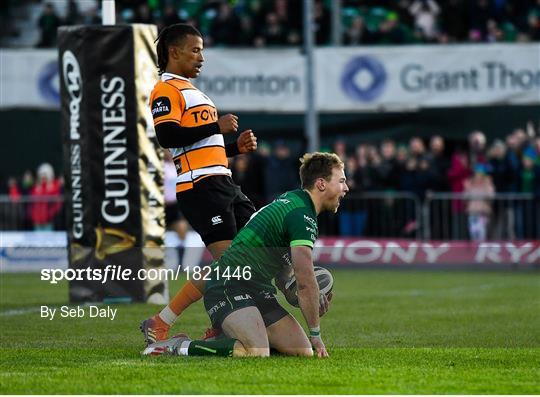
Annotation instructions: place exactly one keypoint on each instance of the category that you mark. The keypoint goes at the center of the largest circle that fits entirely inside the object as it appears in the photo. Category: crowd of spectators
(261, 23)
(417, 168)
(35, 201)
(475, 169)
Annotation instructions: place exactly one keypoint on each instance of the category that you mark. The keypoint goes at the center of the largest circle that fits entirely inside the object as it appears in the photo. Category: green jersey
(263, 245)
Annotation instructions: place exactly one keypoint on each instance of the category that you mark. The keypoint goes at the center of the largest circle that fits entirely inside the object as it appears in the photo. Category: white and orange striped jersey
(175, 99)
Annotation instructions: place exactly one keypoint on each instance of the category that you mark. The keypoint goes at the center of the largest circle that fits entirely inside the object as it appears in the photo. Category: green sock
(221, 347)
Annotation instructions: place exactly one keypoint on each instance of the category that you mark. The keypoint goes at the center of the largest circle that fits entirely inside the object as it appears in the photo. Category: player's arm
(308, 295)
(171, 135)
(306, 284)
(246, 143)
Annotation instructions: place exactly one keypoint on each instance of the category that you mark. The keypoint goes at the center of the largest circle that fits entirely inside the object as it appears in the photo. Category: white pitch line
(18, 312)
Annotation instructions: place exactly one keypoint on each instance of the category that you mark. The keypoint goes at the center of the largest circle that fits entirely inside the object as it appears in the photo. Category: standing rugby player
(187, 124)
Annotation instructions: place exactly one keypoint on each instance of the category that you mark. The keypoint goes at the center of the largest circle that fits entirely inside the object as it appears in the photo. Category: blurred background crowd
(260, 23)
(36, 200)
(418, 168)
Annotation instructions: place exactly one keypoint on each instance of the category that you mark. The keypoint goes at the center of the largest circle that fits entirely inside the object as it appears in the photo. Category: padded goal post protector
(112, 162)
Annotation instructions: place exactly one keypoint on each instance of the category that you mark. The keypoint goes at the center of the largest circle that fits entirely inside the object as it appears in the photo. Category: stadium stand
(262, 23)
(413, 170)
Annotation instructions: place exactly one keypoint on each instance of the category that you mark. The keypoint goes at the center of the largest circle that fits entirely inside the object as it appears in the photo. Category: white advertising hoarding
(254, 80)
(31, 251)
(29, 79)
(361, 78)
(349, 79)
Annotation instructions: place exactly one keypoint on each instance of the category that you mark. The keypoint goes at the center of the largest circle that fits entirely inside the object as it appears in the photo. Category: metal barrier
(461, 216)
(32, 213)
(442, 216)
(375, 214)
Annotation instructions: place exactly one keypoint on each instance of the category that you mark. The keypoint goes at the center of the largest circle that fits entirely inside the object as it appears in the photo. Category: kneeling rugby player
(278, 235)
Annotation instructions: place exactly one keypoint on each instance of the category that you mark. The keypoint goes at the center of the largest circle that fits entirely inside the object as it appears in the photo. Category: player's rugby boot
(169, 346)
(154, 330)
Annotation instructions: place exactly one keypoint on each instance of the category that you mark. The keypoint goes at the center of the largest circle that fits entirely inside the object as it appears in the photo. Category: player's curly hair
(171, 35)
(317, 165)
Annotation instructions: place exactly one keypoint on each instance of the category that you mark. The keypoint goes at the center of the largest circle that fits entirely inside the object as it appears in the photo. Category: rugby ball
(324, 279)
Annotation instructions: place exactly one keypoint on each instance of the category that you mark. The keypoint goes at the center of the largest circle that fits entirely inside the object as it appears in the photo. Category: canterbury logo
(216, 220)
(112, 241)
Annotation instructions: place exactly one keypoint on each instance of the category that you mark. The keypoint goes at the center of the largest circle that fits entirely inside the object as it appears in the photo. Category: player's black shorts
(222, 300)
(215, 208)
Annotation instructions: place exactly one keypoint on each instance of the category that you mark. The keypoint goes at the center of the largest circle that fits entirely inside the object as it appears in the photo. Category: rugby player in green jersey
(239, 296)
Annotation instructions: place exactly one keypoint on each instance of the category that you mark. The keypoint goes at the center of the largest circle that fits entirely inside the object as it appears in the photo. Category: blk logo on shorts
(216, 220)
(242, 297)
(161, 106)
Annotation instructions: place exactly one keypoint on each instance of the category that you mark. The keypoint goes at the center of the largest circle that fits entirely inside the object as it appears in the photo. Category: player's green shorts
(225, 298)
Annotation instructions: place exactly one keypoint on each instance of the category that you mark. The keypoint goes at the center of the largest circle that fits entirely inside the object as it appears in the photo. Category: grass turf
(387, 332)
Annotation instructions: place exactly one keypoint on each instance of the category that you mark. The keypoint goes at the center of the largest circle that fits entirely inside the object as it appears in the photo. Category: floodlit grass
(387, 332)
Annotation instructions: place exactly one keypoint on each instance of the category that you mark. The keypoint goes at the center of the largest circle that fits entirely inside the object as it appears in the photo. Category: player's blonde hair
(318, 165)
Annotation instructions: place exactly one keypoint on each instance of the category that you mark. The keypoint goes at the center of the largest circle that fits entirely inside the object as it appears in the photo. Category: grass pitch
(387, 332)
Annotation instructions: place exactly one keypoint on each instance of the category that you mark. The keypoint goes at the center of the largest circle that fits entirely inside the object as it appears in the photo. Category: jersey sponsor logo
(216, 220)
(310, 220)
(204, 115)
(244, 297)
(310, 229)
(161, 106)
(286, 257)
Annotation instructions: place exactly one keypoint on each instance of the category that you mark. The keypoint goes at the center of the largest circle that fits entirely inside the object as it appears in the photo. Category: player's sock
(185, 297)
(221, 347)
